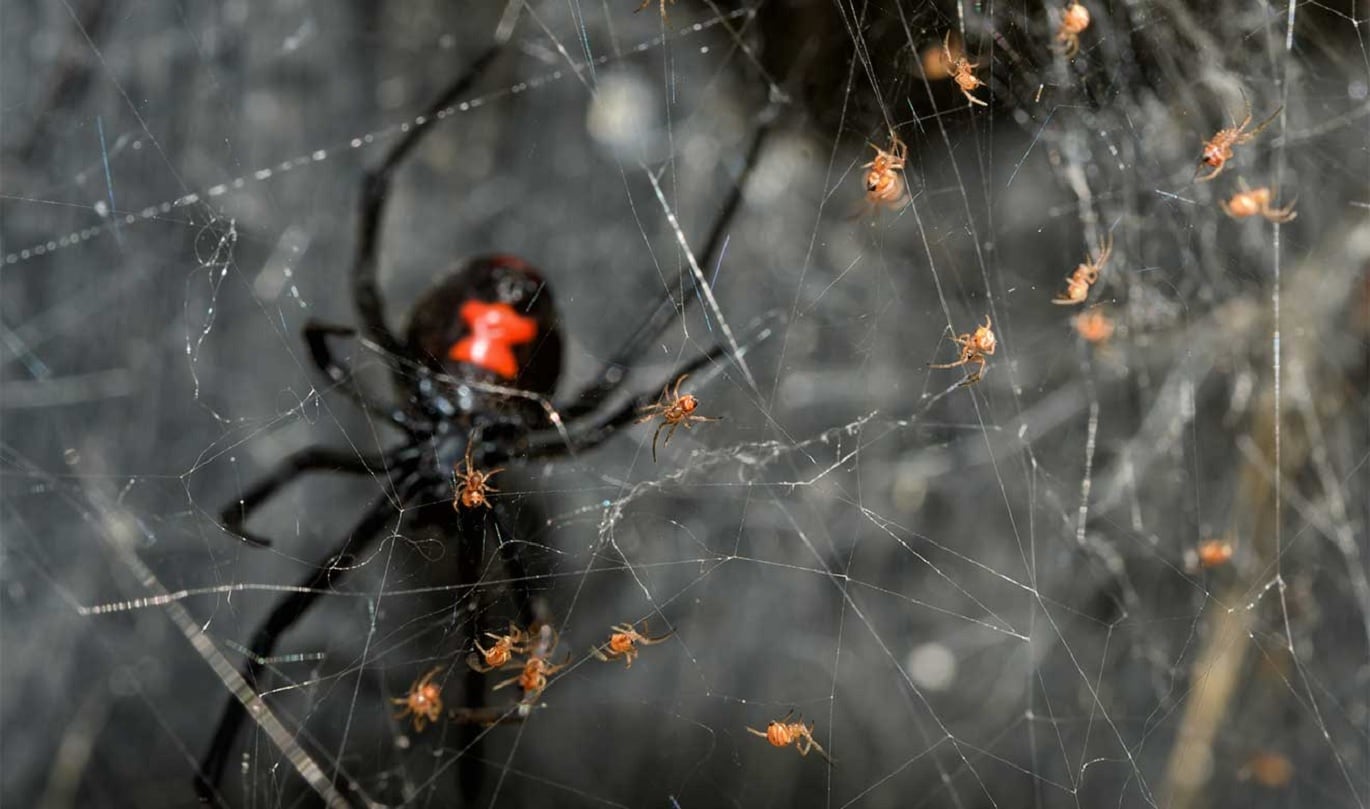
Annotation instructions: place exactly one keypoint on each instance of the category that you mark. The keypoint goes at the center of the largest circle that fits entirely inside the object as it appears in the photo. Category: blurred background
(1126, 568)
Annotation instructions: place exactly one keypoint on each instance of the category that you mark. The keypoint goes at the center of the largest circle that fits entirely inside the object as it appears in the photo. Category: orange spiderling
(1079, 282)
(623, 642)
(646, 3)
(1213, 553)
(885, 185)
(783, 733)
(1268, 768)
(423, 702)
(974, 348)
(962, 72)
(1256, 202)
(1218, 150)
(676, 410)
(532, 679)
(472, 485)
(1094, 326)
(1074, 20)
(501, 653)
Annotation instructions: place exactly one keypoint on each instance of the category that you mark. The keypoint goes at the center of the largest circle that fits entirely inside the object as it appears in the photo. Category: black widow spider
(478, 364)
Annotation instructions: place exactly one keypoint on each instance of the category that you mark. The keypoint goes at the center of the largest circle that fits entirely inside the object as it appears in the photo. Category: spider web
(981, 596)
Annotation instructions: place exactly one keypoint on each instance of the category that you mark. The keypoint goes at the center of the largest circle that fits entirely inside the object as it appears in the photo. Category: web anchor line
(115, 219)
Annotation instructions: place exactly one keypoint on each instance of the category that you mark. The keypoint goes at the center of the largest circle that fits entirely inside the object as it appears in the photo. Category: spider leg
(366, 290)
(473, 533)
(596, 431)
(815, 747)
(514, 566)
(474, 661)
(234, 516)
(1285, 214)
(283, 616)
(1105, 250)
(508, 682)
(974, 376)
(956, 364)
(648, 641)
(1218, 169)
(590, 431)
(1262, 125)
(655, 435)
(674, 303)
(674, 426)
(316, 336)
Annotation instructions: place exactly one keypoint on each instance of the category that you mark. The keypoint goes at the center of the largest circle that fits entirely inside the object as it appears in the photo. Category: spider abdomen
(492, 319)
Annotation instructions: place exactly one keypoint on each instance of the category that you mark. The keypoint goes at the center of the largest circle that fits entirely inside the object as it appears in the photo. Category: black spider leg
(666, 309)
(366, 289)
(471, 529)
(514, 567)
(474, 529)
(284, 615)
(475, 526)
(587, 433)
(234, 516)
(316, 335)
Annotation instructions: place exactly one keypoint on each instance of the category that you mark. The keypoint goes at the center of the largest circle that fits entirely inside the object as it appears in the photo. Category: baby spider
(1079, 282)
(533, 678)
(499, 655)
(623, 643)
(1213, 553)
(424, 701)
(646, 3)
(1256, 202)
(962, 71)
(884, 184)
(1267, 768)
(1074, 20)
(784, 733)
(676, 410)
(1218, 150)
(473, 484)
(974, 348)
(1094, 326)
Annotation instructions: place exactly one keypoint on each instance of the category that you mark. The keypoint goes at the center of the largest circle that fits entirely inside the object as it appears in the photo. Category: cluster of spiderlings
(886, 187)
(529, 652)
(424, 700)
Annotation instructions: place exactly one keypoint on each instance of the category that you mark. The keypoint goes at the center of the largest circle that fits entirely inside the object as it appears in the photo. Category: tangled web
(1126, 567)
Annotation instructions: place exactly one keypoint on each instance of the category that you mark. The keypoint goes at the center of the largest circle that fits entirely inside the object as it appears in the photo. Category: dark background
(979, 595)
